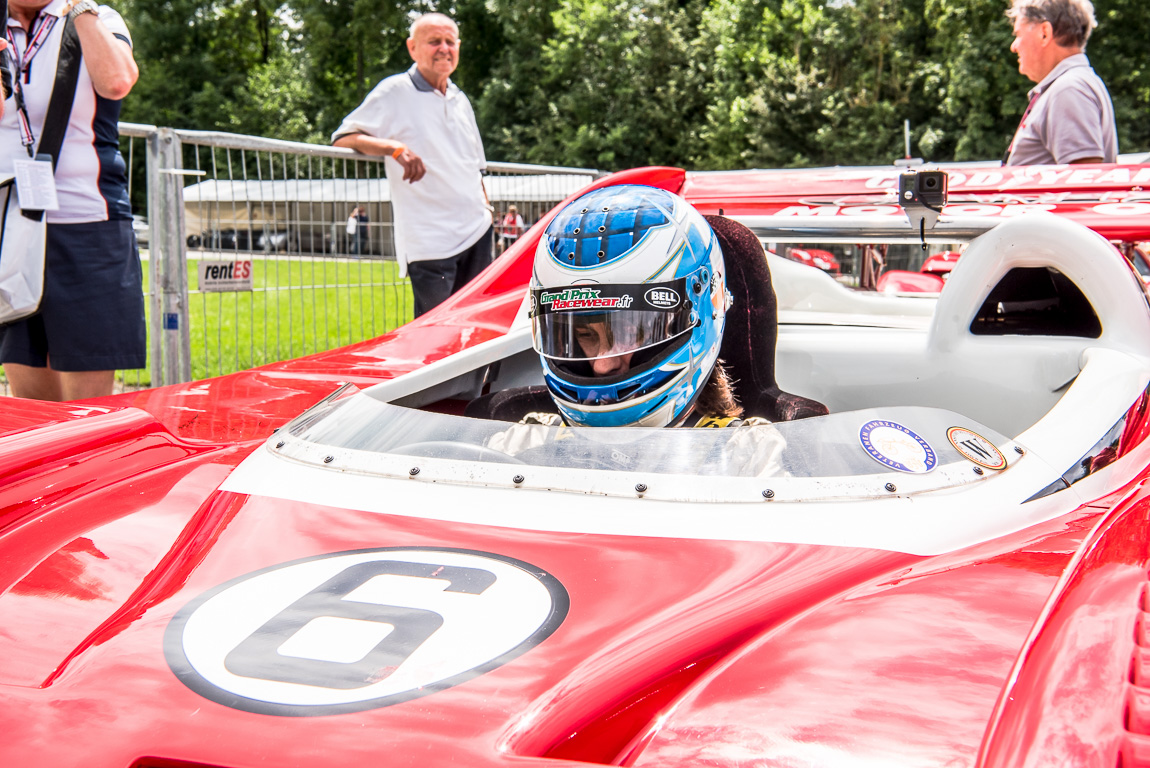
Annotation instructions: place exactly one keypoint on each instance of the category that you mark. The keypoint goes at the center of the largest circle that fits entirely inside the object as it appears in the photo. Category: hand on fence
(413, 169)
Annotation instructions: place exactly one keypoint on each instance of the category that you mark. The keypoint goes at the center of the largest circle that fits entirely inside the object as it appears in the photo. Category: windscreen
(908, 439)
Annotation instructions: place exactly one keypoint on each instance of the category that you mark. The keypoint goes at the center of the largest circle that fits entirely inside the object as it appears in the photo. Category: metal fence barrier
(251, 257)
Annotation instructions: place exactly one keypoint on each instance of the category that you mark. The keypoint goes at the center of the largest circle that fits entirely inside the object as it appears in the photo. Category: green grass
(298, 306)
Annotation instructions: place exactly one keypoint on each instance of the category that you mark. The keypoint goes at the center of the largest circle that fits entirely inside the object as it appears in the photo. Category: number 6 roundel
(358, 630)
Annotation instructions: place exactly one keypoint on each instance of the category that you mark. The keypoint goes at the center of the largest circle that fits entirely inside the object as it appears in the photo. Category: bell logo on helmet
(663, 298)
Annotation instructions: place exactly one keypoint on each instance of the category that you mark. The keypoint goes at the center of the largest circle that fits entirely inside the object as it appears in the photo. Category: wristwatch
(83, 6)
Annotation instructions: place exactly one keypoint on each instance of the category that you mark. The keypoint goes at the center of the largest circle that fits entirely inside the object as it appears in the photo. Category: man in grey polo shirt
(1070, 118)
(425, 129)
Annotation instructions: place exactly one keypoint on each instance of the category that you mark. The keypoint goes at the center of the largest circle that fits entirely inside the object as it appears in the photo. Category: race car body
(337, 561)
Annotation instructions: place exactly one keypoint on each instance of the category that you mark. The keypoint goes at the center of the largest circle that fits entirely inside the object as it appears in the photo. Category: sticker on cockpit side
(976, 448)
(359, 630)
(897, 447)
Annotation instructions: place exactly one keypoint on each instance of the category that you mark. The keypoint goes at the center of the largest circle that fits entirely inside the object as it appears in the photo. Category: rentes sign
(218, 276)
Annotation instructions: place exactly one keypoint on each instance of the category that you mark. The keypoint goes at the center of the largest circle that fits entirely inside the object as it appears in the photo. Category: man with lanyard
(1070, 118)
(424, 127)
(91, 317)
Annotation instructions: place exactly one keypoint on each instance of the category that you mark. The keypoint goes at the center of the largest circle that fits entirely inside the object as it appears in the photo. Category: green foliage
(1118, 50)
(613, 84)
(616, 86)
(194, 58)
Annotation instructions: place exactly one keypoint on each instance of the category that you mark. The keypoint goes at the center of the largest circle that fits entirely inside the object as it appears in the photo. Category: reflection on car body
(326, 560)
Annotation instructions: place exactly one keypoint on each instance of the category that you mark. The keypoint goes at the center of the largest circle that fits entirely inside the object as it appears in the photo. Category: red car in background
(929, 279)
(340, 560)
(815, 257)
(940, 263)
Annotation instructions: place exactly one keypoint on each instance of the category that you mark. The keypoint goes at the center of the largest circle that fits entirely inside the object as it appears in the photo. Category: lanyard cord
(41, 28)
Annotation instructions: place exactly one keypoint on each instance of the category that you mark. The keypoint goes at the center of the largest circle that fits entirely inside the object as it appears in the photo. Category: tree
(350, 46)
(195, 57)
(1117, 50)
(618, 83)
(614, 87)
(800, 82)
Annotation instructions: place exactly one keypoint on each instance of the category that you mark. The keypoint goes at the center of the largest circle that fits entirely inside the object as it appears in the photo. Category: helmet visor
(588, 322)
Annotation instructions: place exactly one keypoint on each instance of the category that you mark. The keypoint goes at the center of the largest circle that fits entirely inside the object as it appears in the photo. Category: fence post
(171, 338)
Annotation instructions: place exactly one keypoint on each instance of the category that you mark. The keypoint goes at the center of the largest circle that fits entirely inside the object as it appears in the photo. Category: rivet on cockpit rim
(978, 470)
(640, 487)
(891, 487)
(1018, 450)
(280, 444)
(518, 479)
(413, 471)
(768, 494)
(328, 459)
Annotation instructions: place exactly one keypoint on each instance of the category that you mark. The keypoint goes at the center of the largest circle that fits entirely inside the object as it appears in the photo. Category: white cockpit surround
(1009, 382)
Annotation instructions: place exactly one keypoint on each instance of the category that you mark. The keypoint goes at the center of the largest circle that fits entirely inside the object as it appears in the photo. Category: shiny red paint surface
(940, 263)
(673, 653)
(908, 665)
(765, 624)
(815, 257)
(902, 281)
(1080, 686)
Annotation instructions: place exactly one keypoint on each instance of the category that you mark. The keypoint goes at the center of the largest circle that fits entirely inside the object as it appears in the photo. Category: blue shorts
(91, 317)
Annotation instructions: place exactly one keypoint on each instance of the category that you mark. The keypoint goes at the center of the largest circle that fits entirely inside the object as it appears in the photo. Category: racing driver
(628, 305)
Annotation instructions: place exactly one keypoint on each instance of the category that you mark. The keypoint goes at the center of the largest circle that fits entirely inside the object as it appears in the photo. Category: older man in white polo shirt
(1070, 118)
(425, 128)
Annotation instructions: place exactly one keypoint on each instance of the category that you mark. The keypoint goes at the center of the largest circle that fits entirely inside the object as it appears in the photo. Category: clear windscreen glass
(823, 447)
(592, 322)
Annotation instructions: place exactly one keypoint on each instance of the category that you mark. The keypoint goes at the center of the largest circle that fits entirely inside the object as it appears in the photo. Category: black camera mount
(922, 195)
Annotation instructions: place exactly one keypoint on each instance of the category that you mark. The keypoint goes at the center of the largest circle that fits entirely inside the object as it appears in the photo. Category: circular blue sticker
(897, 447)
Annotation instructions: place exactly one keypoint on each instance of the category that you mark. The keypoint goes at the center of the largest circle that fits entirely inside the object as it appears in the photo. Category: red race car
(332, 561)
(815, 257)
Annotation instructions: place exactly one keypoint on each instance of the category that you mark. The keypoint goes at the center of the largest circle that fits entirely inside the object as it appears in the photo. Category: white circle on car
(351, 631)
(896, 446)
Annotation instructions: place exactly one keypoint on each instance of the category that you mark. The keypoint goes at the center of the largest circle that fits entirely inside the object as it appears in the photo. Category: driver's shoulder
(546, 419)
(719, 422)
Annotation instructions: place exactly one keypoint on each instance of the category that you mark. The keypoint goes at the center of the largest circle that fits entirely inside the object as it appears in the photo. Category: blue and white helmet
(628, 303)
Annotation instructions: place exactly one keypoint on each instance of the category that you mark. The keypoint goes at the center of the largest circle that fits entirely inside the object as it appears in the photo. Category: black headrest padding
(511, 404)
(751, 333)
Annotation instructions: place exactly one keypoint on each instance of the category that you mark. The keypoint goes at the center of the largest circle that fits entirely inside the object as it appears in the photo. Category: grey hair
(428, 17)
(1071, 20)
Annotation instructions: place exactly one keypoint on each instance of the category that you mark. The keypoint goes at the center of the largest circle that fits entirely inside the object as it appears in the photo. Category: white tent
(313, 212)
